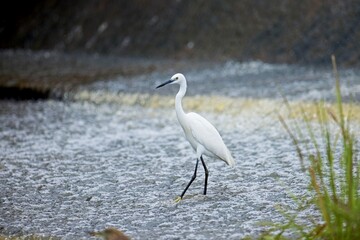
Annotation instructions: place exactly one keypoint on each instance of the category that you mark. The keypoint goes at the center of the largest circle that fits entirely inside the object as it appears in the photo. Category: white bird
(202, 135)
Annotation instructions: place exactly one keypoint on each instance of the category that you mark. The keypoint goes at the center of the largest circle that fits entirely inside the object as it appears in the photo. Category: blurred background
(93, 144)
(281, 31)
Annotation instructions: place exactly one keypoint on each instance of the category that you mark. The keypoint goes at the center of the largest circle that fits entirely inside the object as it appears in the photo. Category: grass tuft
(328, 154)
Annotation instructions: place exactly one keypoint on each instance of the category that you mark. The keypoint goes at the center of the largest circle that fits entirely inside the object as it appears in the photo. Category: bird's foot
(178, 199)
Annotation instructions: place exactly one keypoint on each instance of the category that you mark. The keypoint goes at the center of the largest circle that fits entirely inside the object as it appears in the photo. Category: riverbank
(291, 32)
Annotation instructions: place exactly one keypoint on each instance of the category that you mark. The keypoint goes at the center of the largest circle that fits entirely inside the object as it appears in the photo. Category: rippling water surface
(113, 154)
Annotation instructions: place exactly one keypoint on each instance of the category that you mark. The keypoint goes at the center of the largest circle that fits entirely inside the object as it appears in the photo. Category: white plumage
(202, 135)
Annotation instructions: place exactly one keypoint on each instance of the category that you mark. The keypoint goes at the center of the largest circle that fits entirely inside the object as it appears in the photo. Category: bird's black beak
(165, 83)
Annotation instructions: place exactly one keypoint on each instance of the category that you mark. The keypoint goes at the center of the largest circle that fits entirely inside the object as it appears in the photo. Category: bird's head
(177, 78)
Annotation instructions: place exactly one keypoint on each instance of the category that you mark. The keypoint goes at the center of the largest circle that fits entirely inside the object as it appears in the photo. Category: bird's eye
(176, 78)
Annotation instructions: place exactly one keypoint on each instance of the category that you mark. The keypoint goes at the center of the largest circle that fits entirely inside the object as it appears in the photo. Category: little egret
(202, 135)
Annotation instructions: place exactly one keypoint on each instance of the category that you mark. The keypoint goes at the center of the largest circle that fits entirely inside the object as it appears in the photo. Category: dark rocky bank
(304, 32)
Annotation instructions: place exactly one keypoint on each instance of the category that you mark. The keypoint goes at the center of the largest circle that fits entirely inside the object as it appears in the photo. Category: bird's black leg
(192, 179)
(206, 174)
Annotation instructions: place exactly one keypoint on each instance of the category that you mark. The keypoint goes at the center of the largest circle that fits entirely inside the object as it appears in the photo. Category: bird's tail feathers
(229, 159)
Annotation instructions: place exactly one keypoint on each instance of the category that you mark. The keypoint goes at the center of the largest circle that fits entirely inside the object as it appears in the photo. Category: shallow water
(246, 80)
(115, 156)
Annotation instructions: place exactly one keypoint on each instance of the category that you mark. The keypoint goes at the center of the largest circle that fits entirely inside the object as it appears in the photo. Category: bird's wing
(207, 135)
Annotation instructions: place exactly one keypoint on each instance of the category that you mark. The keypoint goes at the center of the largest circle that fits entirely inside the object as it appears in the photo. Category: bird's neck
(178, 101)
